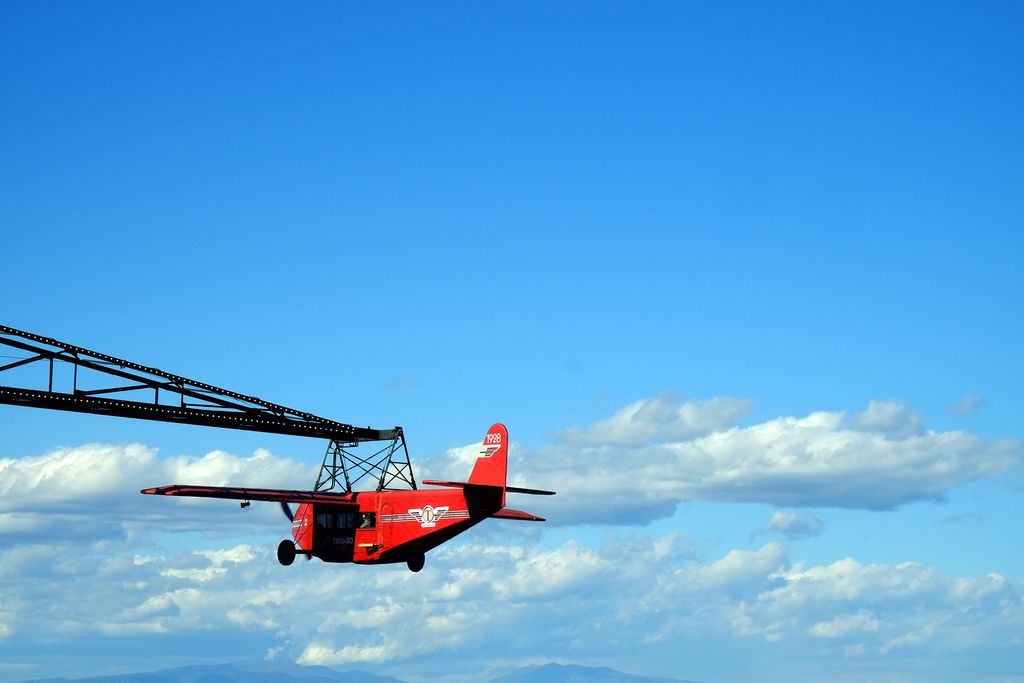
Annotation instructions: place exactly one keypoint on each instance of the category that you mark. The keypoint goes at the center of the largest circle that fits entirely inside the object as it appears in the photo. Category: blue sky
(743, 281)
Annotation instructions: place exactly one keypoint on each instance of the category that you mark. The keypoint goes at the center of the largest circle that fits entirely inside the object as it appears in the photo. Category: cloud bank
(485, 597)
(641, 462)
(85, 556)
(630, 468)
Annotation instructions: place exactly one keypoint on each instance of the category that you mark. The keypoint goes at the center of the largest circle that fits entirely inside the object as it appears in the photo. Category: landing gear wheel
(286, 552)
(416, 562)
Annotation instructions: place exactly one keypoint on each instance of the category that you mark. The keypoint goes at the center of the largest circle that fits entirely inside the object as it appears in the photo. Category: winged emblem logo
(428, 515)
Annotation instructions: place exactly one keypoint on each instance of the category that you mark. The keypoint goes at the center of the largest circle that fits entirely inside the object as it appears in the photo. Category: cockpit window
(367, 520)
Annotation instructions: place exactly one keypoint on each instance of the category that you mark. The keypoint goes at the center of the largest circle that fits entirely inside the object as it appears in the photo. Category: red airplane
(333, 522)
(381, 527)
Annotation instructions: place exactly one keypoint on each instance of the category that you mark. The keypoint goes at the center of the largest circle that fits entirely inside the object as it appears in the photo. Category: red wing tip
(159, 490)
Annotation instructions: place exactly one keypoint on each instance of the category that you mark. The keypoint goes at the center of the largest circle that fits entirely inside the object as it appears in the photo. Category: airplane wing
(237, 493)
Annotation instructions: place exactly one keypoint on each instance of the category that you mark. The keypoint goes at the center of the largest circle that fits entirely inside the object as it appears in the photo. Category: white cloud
(236, 555)
(90, 472)
(661, 418)
(875, 459)
(217, 564)
(156, 606)
(862, 620)
(793, 525)
(103, 472)
(737, 569)
(92, 491)
(247, 618)
(968, 405)
(204, 575)
(546, 572)
(887, 417)
(324, 655)
(881, 607)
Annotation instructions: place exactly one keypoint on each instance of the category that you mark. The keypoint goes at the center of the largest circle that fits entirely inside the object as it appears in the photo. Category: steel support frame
(343, 468)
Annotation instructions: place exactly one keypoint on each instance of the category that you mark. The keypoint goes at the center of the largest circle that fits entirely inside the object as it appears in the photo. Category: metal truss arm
(165, 397)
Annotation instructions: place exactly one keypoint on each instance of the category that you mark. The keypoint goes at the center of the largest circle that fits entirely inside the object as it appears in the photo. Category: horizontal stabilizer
(451, 484)
(532, 492)
(464, 484)
(507, 513)
(235, 493)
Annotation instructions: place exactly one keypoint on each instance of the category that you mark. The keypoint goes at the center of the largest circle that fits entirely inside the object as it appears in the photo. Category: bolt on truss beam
(165, 397)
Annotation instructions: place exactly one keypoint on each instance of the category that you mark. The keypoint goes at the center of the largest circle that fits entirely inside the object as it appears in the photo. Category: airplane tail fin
(491, 468)
(490, 472)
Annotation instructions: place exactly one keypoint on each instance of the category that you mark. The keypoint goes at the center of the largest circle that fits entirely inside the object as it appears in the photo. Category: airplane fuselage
(379, 527)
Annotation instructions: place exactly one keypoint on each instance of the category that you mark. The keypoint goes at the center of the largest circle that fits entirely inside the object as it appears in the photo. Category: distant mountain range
(270, 672)
(562, 673)
(256, 672)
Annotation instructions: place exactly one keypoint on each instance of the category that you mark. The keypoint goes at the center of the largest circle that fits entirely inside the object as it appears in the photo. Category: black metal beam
(217, 407)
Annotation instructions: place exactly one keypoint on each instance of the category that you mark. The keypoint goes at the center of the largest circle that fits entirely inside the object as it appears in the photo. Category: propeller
(291, 517)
